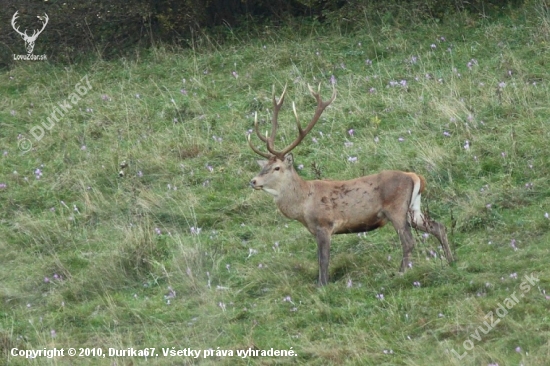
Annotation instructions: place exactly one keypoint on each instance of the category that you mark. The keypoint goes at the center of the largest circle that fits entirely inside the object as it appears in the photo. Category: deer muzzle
(254, 184)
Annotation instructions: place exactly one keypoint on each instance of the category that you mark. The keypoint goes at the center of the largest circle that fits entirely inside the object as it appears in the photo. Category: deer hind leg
(407, 242)
(422, 223)
(398, 218)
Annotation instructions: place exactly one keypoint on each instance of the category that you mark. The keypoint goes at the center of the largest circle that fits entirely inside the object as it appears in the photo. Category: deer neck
(291, 198)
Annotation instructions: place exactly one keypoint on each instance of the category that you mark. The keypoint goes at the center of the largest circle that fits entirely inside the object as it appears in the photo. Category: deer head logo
(29, 40)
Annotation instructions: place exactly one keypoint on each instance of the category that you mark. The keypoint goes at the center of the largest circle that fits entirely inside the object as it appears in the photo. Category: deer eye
(277, 168)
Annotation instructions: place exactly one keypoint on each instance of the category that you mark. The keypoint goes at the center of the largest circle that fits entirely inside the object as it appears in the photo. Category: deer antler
(269, 141)
(274, 121)
(265, 155)
(318, 111)
(15, 27)
(321, 105)
(36, 33)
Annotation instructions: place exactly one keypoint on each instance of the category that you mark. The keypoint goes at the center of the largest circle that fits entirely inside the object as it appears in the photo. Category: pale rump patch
(414, 207)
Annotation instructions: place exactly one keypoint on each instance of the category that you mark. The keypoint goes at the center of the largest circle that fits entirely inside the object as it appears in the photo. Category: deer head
(275, 175)
(29, 40)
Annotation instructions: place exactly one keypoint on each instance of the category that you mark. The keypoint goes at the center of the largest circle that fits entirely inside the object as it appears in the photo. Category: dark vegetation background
(113, 28)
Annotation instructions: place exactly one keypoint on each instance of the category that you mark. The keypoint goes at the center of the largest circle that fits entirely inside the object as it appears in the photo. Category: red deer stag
(327, 207)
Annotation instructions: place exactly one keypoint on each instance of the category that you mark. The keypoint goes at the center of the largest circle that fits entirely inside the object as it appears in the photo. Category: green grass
(179, 118)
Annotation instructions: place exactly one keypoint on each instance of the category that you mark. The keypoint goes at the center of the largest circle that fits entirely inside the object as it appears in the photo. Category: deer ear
(262, 163)
(289, 159)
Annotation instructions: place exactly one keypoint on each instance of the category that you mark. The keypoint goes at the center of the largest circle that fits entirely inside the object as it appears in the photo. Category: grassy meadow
(177, 252)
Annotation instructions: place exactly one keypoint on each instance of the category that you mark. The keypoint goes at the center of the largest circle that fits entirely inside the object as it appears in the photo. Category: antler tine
(44, 22)
(37, 32)
(264, 139)
(300, 131)
(257, 151)
(281, 98)
(318, 97)
(318, 111)
(274, 121)
(15, 27)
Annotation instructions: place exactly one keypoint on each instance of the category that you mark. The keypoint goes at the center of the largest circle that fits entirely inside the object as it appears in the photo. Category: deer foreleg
(323, 253)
